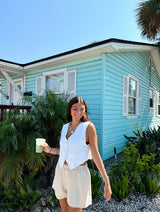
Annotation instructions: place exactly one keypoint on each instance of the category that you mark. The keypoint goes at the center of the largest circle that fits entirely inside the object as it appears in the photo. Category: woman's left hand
(107, 191)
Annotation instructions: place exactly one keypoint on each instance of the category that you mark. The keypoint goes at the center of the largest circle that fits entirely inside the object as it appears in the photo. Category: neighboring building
(120, 81)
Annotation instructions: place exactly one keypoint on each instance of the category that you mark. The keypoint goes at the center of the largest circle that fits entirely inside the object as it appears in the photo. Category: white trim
(11, 92)
(24, 83)
(8, 88)
(157, 98)
(133, 77)
(41, 90)
(11, 65)
(12, 82)
(138, 106)
(73, 93)
(21, 80)
(150, 61)
(108, 47)
(135, 115)
(20, 72)
(126, 96)
(57, 71)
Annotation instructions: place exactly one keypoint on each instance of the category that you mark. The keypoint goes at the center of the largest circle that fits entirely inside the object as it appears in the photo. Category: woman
(78, 143)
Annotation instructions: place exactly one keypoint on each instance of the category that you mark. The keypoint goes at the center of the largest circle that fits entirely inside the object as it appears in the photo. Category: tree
(148, 19)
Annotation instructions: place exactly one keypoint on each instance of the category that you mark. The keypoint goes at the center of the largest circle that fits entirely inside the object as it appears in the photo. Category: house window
(59, 81)
(158, 104)
(131, 97)
(55, 83)
(151, 98)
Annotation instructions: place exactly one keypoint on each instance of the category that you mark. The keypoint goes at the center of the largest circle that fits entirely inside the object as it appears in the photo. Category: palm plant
(17, 148)
(147, 141)
(23, 197)
(49, 112)
(148, 18)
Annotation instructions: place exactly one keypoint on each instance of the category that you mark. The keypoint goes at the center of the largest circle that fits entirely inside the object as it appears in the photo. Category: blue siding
(115, 125)
(88, 85)
(100, 83)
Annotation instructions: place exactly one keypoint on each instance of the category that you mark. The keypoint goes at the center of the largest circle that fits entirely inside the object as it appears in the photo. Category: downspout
(102, 105)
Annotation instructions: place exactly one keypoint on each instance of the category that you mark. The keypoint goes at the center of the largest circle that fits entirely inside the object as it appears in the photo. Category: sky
(35, 29)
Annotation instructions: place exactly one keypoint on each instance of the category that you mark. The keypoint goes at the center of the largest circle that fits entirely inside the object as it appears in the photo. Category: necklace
(72, 129)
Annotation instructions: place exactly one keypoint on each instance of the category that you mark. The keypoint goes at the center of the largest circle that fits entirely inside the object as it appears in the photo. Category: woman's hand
(107, 191)
(48, 149)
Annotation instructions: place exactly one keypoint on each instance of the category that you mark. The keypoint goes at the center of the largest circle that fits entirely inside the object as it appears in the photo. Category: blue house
(119, 79)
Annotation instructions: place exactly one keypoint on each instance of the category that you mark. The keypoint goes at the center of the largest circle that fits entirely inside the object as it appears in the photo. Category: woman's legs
(66, 208)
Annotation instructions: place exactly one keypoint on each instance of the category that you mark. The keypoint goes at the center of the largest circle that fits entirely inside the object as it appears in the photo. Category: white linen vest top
(74, 149)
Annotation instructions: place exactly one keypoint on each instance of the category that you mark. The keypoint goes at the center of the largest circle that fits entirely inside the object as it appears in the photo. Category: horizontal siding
(89, 87)
(88, 84)
(115, 125)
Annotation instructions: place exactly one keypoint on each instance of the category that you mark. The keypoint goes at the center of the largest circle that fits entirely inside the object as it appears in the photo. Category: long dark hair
(75, 100)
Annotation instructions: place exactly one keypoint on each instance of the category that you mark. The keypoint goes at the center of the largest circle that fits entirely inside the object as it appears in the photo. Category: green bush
(53, 200)
(149, 175)
(17, 148)
(23, 197)
(49, 111)
(120, 184)
(134, 173)
(96, 184)
(146, 141)
(121, 188)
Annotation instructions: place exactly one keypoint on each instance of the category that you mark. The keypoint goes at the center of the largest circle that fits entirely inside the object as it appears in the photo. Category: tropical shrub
(53, 200)
(149, 174)
(134, 173)
(119, 179)
(17, 148)
(146, 141)
(96, 184)
(49, 112)
(23, 197)
(96, 181)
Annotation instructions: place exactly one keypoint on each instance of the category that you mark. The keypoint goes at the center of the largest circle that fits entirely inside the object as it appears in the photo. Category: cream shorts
(75, 185)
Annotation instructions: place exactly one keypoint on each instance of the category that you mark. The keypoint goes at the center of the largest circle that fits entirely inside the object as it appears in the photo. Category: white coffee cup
(39, 143)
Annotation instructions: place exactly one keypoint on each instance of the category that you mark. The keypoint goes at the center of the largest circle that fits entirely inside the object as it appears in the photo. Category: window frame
(126, 97)
(59, 71)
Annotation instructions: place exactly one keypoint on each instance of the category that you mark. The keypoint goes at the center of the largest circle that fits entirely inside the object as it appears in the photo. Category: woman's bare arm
(92, 138)
(48, 149)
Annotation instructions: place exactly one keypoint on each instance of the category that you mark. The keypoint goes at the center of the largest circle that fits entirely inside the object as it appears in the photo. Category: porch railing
(5, 109)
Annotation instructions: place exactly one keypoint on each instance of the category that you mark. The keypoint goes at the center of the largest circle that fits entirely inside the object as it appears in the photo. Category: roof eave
(89, 52)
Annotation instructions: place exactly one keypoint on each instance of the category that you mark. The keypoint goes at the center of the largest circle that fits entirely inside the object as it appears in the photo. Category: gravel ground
(132, 203)
(135, 202)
